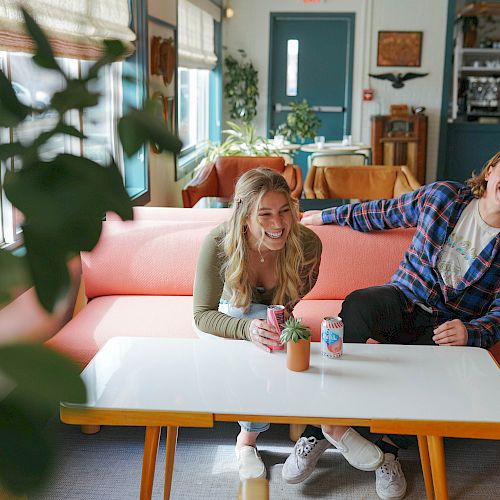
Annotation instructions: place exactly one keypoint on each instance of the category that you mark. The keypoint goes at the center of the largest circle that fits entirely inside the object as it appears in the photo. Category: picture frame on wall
(399, 48)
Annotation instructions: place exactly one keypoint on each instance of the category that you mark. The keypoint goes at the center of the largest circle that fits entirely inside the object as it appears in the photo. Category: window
(193, 107)
(34, 86)
(198, 79)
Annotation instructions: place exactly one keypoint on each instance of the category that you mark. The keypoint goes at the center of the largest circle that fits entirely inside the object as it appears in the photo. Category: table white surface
(334, 147)
(428, 383)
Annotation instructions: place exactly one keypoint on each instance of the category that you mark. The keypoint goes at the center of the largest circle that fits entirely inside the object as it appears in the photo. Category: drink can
(276, 317)
(332, 337)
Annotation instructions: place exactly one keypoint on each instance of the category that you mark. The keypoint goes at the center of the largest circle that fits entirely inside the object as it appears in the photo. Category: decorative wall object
(162, 71)
(398, 79)
(399, 48)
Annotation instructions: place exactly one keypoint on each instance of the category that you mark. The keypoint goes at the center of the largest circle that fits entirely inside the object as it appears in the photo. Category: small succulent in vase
(297, 338)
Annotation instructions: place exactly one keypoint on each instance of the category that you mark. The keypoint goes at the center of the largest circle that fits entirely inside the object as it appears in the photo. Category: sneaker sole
(387, 497)
(297, 479)
(370, 468)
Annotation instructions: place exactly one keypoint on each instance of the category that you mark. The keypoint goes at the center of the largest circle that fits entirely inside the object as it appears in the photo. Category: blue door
(311, 57)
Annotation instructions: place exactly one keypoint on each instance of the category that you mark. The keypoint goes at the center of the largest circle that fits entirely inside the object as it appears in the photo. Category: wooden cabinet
(400, 140)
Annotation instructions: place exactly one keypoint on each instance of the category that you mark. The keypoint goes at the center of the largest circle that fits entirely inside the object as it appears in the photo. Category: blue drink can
(332, 337)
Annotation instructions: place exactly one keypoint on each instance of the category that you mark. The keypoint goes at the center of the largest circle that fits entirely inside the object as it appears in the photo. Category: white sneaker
(250, 465)
(390, 481)
(357, 450)
(303, 459)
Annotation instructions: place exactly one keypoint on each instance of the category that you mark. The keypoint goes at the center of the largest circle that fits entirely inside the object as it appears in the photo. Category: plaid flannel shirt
(434, 210)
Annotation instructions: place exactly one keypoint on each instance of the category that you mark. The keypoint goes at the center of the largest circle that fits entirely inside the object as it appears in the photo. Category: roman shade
(196, 34)
(76, 28)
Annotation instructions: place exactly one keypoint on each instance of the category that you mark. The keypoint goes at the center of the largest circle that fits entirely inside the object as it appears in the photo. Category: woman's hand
(312, 218)
(263, 334)
(452, 332)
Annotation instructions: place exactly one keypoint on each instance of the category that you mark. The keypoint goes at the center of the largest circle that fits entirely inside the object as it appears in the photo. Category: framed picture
(399, 48)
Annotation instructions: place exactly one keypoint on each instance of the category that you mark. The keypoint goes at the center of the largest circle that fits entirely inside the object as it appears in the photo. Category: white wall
(249, 30)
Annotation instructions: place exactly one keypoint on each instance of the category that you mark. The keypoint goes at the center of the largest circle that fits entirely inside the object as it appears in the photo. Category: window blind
(195, 30)
(76, 28)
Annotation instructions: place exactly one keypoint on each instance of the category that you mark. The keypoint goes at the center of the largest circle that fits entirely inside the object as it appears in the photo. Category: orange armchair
(218, 179)
(370, 182)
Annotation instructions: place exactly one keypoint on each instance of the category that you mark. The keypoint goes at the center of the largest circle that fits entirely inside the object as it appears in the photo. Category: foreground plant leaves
(64, 202)
(42, 378)
(139, 127)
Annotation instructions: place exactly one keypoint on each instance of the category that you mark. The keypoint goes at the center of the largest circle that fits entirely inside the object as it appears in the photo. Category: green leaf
(11, 149)
(43, 377)
(63, 201)
(63, 128)
(139, 127)
(44, 56)
(26, 455)
(113, 51)
(14, 274)
(74, 96)
(12, 111)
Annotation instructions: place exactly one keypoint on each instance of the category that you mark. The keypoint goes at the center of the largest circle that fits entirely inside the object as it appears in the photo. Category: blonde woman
(261, 256)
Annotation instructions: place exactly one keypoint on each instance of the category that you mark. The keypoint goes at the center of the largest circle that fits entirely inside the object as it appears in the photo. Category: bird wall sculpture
(398, 79)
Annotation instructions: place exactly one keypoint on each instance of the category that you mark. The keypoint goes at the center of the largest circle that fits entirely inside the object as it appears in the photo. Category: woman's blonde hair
(477, 183)
(250, 189)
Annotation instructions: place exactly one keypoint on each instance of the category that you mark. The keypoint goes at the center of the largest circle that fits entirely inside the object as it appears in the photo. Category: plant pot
(298, 355)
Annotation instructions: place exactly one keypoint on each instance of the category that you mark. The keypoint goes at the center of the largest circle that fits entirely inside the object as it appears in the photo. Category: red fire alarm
(368, 94)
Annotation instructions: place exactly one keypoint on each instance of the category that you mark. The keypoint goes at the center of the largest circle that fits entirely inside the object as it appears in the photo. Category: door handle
(319, 109)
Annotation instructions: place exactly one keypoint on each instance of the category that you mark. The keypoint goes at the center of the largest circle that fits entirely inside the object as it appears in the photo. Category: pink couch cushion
(353, 260)
(130, 316)
(313, 311)
(144, 258)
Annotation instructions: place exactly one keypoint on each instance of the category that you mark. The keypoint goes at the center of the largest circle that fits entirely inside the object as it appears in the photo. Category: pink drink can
(276, 317)
(332, 337)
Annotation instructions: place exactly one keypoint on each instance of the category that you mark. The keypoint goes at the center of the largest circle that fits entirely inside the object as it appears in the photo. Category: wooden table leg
(149, 461)
(426, 466)
(438, 466)
(169, 459)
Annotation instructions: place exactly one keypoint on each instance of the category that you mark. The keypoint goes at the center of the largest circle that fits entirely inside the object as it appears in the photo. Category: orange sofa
(218, 179)
(139, 278)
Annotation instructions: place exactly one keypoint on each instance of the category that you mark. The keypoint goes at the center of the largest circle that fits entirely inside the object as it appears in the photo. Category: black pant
(379, 312)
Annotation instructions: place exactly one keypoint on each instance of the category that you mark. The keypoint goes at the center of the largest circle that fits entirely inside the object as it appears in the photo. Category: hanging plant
(301, 123)
(241, 87)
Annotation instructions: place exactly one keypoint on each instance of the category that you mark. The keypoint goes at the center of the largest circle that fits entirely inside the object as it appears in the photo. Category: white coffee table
(427, 391)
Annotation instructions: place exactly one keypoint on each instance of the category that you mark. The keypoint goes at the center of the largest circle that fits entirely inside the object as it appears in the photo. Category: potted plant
(301, 123)
(241, 87)
(297, 338)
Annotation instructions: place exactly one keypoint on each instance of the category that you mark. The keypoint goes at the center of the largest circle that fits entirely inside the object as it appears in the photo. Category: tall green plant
(63, 200)
(241, 87)
(301, 123)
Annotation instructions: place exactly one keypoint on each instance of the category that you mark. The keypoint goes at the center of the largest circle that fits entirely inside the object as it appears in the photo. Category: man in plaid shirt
(446, 290)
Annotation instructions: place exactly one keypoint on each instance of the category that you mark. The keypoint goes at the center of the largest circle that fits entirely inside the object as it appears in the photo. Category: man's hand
(451, 333)
(263, 334)
(312, 218)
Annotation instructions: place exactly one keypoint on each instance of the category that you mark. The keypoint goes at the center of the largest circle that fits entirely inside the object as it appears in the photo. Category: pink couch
(139, 278)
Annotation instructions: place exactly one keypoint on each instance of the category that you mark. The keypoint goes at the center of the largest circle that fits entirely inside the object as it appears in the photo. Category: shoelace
(305, 445)
(392, 469)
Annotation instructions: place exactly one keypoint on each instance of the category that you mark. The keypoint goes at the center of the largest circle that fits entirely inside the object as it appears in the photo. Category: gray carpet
(107, 466)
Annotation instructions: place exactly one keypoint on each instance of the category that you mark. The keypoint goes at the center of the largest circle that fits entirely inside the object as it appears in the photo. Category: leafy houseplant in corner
(301, 123)
(297, 338)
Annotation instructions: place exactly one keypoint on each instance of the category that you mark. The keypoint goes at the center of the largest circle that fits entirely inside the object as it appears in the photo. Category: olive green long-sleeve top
(210, 288)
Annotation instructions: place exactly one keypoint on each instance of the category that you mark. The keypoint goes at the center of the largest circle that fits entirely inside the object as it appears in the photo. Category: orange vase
(298, 355)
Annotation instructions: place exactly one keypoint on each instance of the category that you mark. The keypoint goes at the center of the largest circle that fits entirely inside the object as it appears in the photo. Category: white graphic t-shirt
(464, 244)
